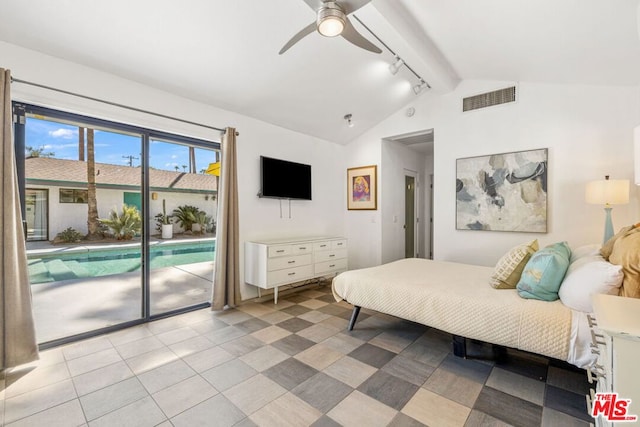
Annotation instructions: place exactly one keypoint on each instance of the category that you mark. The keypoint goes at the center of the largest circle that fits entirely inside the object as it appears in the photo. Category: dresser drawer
(288, 262)
(339, 244)
(330, 255)
(330, 266)
(302, 248)
(322, 246)
(289, 275)
(279, 250)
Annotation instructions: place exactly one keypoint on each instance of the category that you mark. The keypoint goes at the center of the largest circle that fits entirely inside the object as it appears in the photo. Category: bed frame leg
(459, 346)
(354, 316)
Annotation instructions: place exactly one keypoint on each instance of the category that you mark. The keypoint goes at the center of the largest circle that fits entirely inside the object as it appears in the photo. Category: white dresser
(615, 334)
(273, 263)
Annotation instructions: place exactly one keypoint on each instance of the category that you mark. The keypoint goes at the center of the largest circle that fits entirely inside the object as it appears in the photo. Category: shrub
(70, 235)
(126, 224)
(186, 216)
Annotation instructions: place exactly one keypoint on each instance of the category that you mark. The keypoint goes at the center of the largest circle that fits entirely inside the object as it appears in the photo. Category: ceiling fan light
(331, 20)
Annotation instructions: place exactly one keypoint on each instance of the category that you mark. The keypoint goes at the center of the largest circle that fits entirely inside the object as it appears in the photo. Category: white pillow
(583, 251)
(587, 276)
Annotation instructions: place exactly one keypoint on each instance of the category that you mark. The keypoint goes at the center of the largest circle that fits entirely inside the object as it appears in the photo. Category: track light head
(394, 67)
(420, 87)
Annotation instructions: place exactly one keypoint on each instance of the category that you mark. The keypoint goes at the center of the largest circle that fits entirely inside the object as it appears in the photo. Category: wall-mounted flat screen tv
(282, 179)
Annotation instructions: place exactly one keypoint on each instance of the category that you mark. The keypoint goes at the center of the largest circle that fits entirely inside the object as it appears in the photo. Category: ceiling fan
(332, 21)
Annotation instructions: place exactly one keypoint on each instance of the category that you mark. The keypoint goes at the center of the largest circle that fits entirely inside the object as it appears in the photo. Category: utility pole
(131, 158)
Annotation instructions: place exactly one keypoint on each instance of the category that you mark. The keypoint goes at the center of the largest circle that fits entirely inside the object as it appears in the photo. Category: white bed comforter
(457, 298)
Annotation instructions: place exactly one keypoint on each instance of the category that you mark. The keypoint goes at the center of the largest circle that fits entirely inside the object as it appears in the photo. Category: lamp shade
(608, 192)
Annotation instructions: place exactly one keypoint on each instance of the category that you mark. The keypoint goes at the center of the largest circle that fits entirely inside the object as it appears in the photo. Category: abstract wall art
(502, 192)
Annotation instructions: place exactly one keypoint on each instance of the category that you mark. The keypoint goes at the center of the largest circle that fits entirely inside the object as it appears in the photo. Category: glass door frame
(20, 111)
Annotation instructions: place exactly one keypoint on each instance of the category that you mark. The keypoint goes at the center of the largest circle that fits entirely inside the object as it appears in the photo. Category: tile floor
(290, 364)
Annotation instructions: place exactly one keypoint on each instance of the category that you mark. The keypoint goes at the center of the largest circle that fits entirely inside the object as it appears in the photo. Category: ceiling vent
(497, 97)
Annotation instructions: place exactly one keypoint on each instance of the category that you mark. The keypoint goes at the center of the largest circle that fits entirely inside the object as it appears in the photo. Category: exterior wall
(64, 215)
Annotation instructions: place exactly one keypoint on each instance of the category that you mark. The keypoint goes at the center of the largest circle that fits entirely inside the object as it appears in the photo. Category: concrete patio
(68, 307)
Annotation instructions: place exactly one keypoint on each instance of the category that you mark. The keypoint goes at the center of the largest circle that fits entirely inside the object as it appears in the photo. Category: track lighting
(393, 68)
(348, 117)
(398, 62)
(420, 87)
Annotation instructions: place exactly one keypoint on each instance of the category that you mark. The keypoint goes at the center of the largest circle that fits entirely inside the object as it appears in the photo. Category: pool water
(54, 268)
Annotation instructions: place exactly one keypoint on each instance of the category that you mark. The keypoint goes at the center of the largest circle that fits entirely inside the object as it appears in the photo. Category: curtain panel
(18, 339)
(226, 280)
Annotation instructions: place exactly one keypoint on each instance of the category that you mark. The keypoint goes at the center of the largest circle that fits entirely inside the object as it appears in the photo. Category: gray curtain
(17, 333)
(226, 278)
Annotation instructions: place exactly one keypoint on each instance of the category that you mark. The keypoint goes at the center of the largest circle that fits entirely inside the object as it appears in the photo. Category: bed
(456, 298)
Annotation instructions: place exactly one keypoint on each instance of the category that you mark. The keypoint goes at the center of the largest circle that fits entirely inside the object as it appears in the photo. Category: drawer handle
(291, 262)
(595, 373)
(332, 255)
(338, 244)
(292, 274)
(592, 321)
(323, 246)
(332, 265)
(280, 251)
(594, 339)
(302, 248)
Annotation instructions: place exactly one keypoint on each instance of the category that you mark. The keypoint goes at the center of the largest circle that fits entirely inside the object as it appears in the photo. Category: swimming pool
(45, 268)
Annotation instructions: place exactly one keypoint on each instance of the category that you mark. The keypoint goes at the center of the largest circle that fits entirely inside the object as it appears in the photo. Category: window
(69, 195)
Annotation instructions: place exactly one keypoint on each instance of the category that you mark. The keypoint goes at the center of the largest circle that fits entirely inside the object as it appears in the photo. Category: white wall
(362, 227)
(259, 218)
(396, 161)
(587, 129)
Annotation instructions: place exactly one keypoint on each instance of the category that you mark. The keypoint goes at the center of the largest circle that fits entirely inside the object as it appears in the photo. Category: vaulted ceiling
(225, 53)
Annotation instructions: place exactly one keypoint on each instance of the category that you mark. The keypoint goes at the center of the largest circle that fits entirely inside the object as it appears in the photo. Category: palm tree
(184, 168)
(93, 223)
(177, 168)
(38, 152)
(81, 144)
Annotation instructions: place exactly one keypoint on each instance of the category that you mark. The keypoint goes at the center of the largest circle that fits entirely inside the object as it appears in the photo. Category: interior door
(409, 216)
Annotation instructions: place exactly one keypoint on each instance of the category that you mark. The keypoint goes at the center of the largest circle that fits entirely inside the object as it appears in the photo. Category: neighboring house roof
(46, 170)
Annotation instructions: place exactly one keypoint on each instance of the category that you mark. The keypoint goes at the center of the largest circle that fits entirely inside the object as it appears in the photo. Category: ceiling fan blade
(350, 6)
(353, 36)
(295, 39)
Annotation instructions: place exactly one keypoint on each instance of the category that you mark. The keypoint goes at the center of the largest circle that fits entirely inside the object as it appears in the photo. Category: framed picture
(362, 188)
(502, 192)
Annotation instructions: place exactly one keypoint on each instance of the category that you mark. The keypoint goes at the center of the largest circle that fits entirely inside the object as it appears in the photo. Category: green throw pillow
(543, 274)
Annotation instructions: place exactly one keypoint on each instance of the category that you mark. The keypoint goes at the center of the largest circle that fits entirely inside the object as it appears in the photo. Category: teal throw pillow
(543, 274)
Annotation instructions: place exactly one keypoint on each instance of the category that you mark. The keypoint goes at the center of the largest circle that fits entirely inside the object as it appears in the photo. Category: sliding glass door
(183, 205)
(97, 195)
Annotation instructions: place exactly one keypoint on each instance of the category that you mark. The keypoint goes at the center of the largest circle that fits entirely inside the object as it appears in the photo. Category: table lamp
(608, 192)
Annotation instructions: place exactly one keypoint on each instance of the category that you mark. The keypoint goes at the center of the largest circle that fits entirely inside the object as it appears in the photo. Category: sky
(115, 148)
